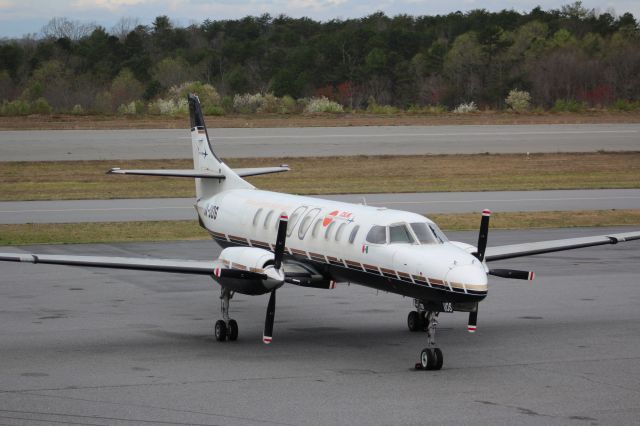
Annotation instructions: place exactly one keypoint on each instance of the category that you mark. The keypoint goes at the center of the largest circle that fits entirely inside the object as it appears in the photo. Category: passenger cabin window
(327, 233)
(340, 231)
(306, 222)
(293, 219)
(267, 219)
(256, 218)
(423, 233)
(400, 234)
(353, 234)
(377, 235)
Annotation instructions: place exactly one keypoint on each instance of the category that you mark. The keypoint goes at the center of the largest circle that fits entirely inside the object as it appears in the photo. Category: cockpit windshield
(428, 233)
(400, 234)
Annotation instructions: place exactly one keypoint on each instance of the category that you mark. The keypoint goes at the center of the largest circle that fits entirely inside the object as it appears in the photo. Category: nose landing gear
(431, 357)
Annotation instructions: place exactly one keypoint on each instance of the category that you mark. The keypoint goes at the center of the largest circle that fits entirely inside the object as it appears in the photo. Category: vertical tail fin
(205, 159)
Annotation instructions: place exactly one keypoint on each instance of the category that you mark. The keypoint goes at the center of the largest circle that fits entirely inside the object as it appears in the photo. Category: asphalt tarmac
(98, 347)
(14, 212)
(48, 145)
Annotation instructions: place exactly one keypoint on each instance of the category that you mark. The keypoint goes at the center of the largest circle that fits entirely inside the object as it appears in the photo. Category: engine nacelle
(250, 259)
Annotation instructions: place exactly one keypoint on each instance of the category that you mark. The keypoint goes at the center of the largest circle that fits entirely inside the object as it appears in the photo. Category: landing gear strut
(425, 319)
(226, 328)
(431, 357)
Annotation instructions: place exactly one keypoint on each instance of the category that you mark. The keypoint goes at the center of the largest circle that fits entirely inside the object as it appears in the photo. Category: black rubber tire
(220, 331)
(413, 321)
(439, 359)
(427, 359)
(232, 330)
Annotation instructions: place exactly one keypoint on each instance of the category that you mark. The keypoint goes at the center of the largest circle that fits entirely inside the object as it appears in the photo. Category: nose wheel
(431, 357)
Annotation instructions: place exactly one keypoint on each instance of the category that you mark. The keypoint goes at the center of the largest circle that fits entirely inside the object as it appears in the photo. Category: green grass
(74, 233)
(66, 180)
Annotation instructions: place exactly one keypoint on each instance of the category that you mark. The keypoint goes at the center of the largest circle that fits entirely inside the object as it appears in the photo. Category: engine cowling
(250, 259)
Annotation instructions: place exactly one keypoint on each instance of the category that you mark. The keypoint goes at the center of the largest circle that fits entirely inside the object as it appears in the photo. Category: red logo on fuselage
(337, 215)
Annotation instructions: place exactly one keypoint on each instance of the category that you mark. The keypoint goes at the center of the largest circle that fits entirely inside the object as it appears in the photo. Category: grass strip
(69, 180)
(108, 232)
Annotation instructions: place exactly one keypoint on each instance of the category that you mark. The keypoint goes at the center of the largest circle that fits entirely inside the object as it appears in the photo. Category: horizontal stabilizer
(198, 173)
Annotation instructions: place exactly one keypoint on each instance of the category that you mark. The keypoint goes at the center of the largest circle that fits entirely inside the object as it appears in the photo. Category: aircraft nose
(472, 274)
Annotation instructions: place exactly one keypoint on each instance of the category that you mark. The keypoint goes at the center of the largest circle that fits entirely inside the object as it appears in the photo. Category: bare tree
(60, 27)
(124, 26)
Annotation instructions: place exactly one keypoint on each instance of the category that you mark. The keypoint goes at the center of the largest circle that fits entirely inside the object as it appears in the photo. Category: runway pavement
(47, 145)
(88, 346)
(12, 212)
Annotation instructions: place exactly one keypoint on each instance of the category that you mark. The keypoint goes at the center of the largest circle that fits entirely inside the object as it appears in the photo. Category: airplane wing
(252, 171)
(218, 269)
(529, 249)
(142, 264)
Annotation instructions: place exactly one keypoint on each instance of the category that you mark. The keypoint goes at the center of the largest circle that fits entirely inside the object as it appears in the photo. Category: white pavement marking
(409, 135)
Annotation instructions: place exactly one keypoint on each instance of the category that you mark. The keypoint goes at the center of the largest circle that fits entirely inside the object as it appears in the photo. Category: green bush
(41, 106)
(77, 110)
(206, 93)
(132, 108)
(288, 105)
(518, 100)
(168, 107)
(17, 107)
(626, 105)
(568, 105)
(374, 108)
(212, 110)
(247, 103)
(323, 104)
(428, 109)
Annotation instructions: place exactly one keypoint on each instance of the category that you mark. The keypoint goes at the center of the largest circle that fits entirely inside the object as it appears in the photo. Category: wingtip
(266, 340)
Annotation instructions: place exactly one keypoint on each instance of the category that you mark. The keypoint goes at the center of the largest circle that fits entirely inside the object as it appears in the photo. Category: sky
(22, 17)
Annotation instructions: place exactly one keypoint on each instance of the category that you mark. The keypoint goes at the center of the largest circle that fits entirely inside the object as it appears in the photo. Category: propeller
(513, 274)
(483, 237)
(267, 336)
(473, 320)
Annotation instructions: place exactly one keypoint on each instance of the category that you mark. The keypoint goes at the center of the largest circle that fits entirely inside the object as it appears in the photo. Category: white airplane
(271, 238)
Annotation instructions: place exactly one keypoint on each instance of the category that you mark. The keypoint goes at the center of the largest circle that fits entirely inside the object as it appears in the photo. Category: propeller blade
(473, 320)
(484, 234)
(513, 274)
(238, 273)
(280, 241)
(267, 336)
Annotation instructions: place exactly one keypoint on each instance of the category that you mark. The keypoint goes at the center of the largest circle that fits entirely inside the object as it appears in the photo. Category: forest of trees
(571, 54)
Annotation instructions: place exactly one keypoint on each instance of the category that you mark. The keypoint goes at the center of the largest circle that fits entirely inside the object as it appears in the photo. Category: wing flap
(530, 249)
(194, 267)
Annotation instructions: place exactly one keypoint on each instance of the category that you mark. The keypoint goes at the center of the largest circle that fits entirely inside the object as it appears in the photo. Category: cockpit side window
(438, 233)
(377, 235)
(423, 233)
(400, 234)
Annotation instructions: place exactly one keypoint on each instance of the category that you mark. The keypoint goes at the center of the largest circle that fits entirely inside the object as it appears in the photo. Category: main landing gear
(431, 357)
(226, 328)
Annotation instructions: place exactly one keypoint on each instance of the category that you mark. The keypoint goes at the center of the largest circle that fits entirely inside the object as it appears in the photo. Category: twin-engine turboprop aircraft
(270, 239)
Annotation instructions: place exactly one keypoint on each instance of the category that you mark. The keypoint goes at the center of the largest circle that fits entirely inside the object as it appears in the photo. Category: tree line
(571, 55)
